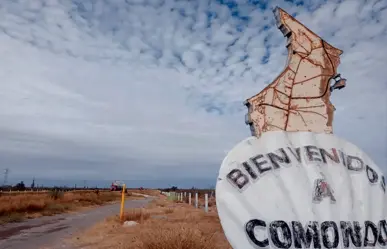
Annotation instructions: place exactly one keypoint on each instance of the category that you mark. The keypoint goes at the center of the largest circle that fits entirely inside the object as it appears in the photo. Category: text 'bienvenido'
(255, 167)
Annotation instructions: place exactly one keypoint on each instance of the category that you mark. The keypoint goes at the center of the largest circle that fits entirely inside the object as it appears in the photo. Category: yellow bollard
(142, 217)
(122, 202)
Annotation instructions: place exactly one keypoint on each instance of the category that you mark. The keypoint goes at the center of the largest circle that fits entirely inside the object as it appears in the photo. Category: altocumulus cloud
(94, 89)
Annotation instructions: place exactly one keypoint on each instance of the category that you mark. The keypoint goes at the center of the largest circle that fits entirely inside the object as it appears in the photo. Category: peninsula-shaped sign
(298, 99)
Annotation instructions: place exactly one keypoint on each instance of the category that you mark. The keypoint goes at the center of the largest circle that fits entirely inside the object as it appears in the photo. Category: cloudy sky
(153, 89)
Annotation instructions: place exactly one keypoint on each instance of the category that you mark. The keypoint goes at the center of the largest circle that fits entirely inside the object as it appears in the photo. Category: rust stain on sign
(298, 99)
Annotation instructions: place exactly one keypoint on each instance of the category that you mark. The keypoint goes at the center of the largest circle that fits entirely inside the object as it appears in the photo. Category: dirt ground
(163, 224)
(51, 231)
(17, 207)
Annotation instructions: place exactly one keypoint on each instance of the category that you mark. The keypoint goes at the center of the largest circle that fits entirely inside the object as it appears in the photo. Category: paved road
(51, 230)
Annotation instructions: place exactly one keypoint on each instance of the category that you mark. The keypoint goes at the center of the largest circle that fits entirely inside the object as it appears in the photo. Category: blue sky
(135, 90)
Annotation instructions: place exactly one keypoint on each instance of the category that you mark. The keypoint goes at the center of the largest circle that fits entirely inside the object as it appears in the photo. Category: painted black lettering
(371, 175)
(313, 153)
(249, 170)
(280, 226)
(343, 158)
(260, 164)
(351, 232)
(333, 157)
(303, 237)
(250, 226)
(237, 178)
(276, 159)
(383, 184)
(382, 237)
(329, 242)
(355, 163)
(296, 154)
(370, 229)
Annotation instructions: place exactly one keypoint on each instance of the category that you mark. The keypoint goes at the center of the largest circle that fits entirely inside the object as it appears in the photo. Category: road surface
(49, 231)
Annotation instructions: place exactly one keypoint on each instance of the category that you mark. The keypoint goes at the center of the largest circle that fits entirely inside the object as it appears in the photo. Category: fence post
(196, 200)
(189, 198)
(206, 203)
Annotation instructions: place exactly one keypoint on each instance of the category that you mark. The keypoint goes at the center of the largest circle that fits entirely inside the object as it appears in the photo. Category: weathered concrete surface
(50, 231)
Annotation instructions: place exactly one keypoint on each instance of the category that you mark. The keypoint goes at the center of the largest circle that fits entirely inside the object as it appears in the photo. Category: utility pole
(33, 183)
(6, 171)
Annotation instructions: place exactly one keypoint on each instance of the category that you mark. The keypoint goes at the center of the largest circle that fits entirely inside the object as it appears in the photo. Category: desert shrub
(176, 236)
(21, 203)
(168, 210)
(11, 217)
(136, 214)
(159, 203)
(55, 208)
(56, 194)
(16, 205)
(211, 202)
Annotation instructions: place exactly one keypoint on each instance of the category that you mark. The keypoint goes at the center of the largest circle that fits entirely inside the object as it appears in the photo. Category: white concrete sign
(301, 190)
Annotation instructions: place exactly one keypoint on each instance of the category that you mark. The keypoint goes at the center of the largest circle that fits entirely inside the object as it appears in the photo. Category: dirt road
(49, 232)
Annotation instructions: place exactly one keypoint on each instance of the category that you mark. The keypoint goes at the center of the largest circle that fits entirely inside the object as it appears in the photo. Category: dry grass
(201, 200)
(152, 192)
(162, 225)
(15, 208)
(137, 214)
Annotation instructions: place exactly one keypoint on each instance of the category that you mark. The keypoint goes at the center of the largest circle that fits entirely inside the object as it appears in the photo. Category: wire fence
(199, 199)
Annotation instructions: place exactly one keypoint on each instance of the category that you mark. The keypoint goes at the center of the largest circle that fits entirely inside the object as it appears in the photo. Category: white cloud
(124, 89)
